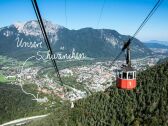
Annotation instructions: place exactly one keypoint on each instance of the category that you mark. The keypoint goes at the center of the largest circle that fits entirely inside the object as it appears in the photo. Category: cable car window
(134, 74)
(120, 75)
(124, 75)
(117, 73)
(130, 75)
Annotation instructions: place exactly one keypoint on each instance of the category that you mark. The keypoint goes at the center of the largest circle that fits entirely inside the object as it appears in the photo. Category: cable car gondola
(126, 76)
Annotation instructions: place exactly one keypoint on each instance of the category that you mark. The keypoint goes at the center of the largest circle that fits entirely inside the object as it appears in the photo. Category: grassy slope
(2, 79)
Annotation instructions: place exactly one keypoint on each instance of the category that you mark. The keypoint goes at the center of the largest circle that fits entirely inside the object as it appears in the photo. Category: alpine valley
(31, 90)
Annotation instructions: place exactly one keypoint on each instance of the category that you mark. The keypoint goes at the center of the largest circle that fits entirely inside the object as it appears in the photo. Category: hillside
(15, 104)
(22, 40)
(146, 105)
(163, 60)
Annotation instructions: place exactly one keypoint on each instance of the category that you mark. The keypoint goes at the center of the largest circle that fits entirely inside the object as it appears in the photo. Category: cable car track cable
(148, 17)
(40, 21)
(153, 10)
(66, 17)
(101, 12)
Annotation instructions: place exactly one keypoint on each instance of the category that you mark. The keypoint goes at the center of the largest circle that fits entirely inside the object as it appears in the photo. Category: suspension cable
(138, 30)
(40, 21)
(66, 17)
(101, 12)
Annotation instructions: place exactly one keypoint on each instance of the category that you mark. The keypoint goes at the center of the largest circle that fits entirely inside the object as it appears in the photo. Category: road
(19, 122)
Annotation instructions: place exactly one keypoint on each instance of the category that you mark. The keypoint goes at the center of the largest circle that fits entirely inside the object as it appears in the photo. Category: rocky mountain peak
(32, 27)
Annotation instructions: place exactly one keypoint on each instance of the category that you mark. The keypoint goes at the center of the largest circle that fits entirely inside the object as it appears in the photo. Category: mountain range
(156, 45)
(24, 39)
(158, 42)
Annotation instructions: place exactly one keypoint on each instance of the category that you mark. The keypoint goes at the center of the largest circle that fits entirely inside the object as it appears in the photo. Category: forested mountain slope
(15, 104)
(22, 40)
(147, 105)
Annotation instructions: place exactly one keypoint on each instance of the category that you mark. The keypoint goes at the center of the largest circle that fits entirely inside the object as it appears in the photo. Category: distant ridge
(158, 42)
(156, 45)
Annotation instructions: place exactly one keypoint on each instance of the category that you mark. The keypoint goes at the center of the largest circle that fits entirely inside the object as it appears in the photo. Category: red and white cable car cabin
(126, 78)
